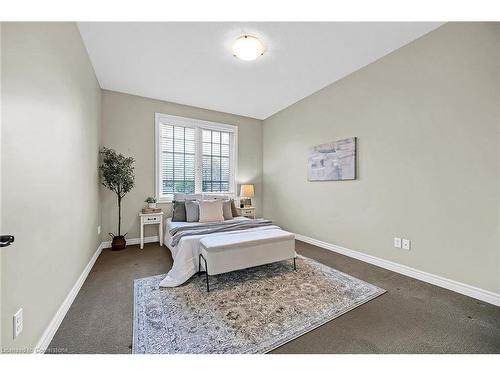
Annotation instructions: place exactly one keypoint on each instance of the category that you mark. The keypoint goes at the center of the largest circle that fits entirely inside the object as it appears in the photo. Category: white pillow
(211, 211)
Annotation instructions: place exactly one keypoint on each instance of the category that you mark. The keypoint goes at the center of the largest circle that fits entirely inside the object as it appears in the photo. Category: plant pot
(151, 205)
(118, 243)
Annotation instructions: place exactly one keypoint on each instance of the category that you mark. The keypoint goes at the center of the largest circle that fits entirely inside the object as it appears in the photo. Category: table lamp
(246, 191)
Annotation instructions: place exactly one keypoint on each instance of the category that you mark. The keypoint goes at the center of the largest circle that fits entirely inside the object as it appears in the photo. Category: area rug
(249, 311)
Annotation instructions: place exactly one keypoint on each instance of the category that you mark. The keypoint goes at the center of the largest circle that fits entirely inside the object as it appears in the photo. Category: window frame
(198, 125)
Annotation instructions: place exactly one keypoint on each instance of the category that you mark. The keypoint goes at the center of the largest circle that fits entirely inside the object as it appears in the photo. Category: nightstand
(246, 212)
(148, 219)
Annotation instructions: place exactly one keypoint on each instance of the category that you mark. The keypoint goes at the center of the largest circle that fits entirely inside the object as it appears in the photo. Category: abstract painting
(333, 161)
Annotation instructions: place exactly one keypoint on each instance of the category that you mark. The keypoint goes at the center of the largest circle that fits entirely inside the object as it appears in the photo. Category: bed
(186, 253)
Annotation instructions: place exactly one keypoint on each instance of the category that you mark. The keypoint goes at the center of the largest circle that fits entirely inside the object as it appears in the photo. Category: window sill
(205, 196)
(165, 201)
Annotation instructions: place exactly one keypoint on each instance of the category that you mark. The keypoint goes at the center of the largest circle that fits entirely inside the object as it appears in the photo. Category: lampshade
(246, 191)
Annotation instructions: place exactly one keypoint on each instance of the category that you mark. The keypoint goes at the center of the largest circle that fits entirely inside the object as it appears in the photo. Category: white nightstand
(147, 219)
(246, 212)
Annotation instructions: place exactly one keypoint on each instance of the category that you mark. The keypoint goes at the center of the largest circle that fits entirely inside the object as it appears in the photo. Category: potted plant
(118, 176)
(151, 201)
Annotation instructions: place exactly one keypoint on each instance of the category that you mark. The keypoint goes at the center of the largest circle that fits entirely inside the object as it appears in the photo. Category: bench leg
(206, 269)
(294, 264)
(206, 275)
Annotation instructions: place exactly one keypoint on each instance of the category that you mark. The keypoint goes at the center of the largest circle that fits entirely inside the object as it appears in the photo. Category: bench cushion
(232, 241)
(233, 252)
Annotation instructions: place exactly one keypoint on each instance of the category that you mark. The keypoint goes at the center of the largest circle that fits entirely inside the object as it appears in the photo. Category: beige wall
(1, 232)
(129, 127)
(50, 196)
(426, 117)
(427, 122)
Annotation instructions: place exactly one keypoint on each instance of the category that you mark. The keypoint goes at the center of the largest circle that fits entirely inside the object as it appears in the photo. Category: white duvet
(185, 254)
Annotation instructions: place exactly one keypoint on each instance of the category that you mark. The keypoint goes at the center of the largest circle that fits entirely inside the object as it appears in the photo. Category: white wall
(129, 127)
(427, 121)
(51, 107)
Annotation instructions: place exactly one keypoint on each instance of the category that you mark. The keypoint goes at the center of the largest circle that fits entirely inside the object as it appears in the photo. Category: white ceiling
(192, 63)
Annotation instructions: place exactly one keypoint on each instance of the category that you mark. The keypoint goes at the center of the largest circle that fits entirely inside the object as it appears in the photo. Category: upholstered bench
(233, 252)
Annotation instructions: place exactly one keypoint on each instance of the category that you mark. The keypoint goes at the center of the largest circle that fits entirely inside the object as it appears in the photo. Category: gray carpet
(412, 317)
(250, 311)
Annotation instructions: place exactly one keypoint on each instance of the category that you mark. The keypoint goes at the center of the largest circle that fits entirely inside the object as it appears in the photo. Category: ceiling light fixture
(248, 48)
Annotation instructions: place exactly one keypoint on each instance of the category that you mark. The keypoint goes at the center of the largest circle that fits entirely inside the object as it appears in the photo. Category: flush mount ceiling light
(248, 48)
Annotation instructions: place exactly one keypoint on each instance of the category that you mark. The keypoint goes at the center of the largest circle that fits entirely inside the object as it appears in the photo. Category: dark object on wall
(6, 240)
(118, 176)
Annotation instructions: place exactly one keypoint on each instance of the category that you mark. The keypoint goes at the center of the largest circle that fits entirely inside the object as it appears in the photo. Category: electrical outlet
(18, 322)
(98, 229)
(406, 244)
(397, 242)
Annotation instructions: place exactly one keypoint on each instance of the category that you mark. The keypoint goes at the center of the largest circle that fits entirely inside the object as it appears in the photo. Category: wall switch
(18, 322)
(406, 244)
(98, 229)
(397, 242)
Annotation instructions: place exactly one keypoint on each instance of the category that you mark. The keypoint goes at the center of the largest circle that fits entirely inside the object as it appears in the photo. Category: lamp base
(245, 202)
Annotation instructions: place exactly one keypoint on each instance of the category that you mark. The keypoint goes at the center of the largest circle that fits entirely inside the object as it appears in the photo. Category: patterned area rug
(249, 311)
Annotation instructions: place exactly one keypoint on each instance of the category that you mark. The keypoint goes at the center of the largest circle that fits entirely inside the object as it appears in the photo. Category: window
(194, 156)
(216, 170)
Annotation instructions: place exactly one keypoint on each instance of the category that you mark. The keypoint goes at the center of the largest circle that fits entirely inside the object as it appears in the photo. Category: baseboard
(56, 321)
(456, 286)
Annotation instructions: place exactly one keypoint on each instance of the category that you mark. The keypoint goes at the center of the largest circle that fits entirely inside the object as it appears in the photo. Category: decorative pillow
(234, 211)
(226, 210)
(211, 211)
(192, 211)
(179, 211)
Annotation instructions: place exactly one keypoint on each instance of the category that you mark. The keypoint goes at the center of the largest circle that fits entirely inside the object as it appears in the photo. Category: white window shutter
(194, 156)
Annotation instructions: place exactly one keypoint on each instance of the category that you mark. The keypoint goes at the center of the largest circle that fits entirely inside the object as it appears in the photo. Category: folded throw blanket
(179, 232)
